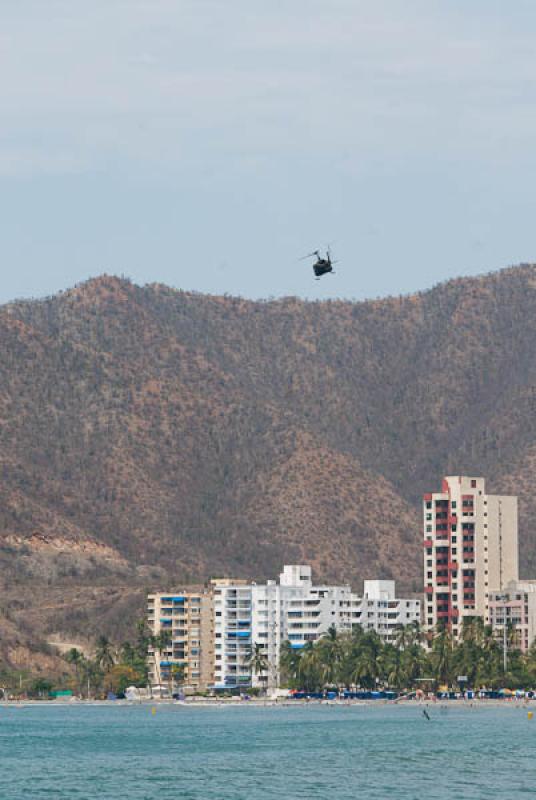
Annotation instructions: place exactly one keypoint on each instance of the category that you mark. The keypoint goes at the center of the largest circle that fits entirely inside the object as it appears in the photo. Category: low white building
(380, 610)
(515, 608)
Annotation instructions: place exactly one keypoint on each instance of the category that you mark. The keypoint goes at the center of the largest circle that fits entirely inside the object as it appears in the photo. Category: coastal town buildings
(512, 614)
(213, 631)
(470, 550)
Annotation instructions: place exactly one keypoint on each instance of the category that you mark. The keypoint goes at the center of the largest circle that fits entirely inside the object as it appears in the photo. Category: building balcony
(428, 589)
(428, 543)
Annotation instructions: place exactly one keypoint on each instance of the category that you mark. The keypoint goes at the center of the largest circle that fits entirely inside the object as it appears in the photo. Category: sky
(208, 144)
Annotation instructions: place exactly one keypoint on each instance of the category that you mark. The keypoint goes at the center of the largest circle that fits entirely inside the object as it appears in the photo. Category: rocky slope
(150, 436)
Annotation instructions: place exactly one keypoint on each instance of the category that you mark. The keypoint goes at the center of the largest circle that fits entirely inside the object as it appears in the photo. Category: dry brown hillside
(149, 436)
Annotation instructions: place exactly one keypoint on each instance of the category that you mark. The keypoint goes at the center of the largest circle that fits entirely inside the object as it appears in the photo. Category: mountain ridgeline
(150, 436)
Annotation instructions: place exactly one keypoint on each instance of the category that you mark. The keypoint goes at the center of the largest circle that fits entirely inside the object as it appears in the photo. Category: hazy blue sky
(208, 144)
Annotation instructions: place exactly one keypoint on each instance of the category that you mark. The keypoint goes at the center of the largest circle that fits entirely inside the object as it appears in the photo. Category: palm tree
(416, 634)
(530, 663)
(309, 669)
(489, 660)
(258, 662)
(77, 659)
(415, 662)
(512, 636)
(330, 650)
(289, 662)
(347, 647)
(93, 675)
(403, 636)
(442, 651)
(392, 666)
(130, 656)
(103, 654)
(367, 662)
(143, 639)
(159, 643)
(176, 676)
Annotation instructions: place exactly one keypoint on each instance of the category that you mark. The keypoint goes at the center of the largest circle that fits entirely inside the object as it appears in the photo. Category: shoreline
(519, 703)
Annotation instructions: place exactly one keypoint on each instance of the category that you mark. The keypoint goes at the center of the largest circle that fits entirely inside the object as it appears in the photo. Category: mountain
(150, 436)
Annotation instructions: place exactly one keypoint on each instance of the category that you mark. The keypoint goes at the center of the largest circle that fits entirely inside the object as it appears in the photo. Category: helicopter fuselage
(322, 266)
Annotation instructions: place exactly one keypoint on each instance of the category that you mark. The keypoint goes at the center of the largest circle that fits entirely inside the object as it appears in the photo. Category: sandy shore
(280, 703)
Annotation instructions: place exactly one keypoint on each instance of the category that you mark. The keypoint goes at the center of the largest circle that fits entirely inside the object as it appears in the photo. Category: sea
(249, 752)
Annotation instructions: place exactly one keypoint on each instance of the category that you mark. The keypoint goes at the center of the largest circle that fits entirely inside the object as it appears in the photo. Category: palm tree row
(362, 659)
(109, 670)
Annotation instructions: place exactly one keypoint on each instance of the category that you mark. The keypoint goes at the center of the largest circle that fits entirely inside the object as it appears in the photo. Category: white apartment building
(297, 611)
(293, 610)
(232, 633)
(470, 548)
(515, 607)
(380, 610)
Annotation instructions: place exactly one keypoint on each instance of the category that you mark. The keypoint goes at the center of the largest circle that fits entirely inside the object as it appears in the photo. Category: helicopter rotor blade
(309, 255)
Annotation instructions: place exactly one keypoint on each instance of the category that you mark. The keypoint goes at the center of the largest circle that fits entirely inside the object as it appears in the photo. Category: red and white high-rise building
(470, 549)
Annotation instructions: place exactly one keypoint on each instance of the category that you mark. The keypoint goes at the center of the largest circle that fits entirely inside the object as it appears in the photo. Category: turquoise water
(248, 753)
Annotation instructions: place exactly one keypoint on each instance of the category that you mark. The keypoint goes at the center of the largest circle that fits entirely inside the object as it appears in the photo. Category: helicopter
(321, 265)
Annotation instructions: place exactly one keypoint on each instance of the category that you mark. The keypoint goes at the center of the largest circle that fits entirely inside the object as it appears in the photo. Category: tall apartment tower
(470, 549)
